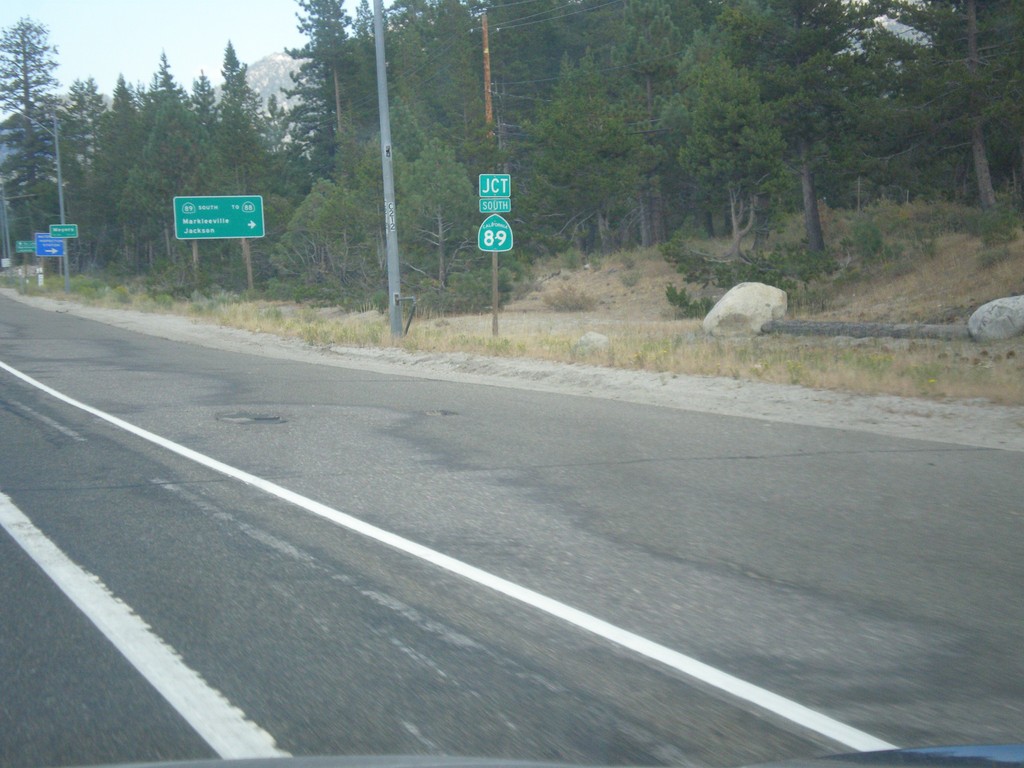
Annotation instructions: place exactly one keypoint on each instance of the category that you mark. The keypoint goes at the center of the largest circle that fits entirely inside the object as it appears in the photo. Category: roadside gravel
(977, 424)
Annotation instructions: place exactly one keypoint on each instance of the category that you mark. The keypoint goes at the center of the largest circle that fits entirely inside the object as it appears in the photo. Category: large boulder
(997, 320)
(744, 309)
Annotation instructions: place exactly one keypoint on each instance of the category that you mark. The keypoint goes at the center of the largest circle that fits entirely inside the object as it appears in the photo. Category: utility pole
(387, 168)
(60, 198)
(488, 106)
(5, 227)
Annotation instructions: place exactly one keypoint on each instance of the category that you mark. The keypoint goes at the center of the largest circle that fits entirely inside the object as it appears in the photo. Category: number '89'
(495, 237)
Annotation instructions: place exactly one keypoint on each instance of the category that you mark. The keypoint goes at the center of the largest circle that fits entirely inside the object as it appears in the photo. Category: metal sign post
(494, 235)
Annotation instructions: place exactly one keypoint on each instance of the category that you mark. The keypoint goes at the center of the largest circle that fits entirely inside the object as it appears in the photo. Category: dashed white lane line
(66, 431)
(780, 706)
(222, 725)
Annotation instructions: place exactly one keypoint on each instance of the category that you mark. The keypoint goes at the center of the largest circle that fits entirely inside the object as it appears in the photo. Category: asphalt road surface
(211, 553)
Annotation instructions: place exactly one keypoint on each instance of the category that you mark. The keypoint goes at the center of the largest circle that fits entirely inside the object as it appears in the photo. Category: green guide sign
(218, 217)
(64, 231)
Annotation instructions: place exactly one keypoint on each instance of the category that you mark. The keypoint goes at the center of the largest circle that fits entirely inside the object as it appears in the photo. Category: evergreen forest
(623, 124)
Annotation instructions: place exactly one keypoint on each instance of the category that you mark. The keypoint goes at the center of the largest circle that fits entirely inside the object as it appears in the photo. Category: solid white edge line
(762, 698)
(220, 724)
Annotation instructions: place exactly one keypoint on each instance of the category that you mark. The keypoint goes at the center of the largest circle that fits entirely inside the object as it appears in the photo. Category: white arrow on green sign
(218, 217)
(64, 231)
(26, 246)
(495, 234)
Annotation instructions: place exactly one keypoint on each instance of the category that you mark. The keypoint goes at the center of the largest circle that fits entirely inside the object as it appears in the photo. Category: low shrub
(569, 299)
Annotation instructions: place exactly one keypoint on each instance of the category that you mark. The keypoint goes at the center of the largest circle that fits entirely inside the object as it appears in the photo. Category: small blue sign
(48, 246)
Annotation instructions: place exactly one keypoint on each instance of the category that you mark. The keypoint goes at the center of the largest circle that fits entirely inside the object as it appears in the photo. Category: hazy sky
(104, 38)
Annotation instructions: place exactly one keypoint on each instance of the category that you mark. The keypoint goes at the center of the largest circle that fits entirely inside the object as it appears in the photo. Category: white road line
(67, 431)
(780, 706)
(222, 725)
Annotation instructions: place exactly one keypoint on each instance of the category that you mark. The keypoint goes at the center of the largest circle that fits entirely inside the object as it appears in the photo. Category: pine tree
(960, 66)
(118, 150)
(239, 126)
(318, 119)
(169, 163)
(27, 85)
(585, 173)
(438, 207)
(803, 54)
(649, 49)
(80, 118)
(203, 102)
(734, 148)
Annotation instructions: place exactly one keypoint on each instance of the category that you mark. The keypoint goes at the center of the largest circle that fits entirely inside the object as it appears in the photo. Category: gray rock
(591, 342)
(745, 309)
(998, 320)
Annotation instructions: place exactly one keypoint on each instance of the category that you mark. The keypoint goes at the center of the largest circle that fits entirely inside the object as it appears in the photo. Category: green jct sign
(495, 185)
(218, 217)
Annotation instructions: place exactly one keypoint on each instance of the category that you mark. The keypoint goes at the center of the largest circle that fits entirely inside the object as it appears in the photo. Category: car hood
(973, 756)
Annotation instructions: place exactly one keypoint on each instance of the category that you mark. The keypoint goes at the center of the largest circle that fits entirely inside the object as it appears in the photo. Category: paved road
(872, 580)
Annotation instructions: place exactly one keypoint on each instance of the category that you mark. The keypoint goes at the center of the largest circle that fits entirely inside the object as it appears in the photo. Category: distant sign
(218, 217)
(495, 185)
(48, 246)
(495, 234)
(64, 231)
(25, 246)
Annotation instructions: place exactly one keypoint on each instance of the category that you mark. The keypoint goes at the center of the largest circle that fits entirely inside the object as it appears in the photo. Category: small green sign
(64, 231)
(495, 205)
(218, 217)
(26, 246)
(495, 185)
(495, 234)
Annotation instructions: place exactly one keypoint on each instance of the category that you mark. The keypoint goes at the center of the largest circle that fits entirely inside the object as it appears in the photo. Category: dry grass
(910, 368)
(945, 287)
(956, 277)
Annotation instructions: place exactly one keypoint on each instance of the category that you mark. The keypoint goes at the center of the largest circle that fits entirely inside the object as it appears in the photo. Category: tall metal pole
(60, 198)
(387, 166)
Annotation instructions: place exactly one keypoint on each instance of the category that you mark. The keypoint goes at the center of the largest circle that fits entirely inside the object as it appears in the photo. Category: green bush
(784, 267)
(571, 259)
(684, 305)
(88, 287)
(866, 238)
(998, 226)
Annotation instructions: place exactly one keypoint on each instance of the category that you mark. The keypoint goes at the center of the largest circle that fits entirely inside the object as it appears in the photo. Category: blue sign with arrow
(48, 246)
